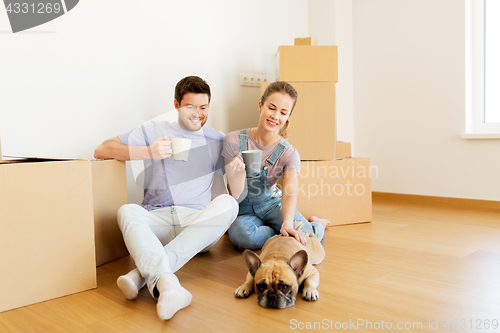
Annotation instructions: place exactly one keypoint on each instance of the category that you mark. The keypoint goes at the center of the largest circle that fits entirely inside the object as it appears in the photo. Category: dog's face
(276, 281)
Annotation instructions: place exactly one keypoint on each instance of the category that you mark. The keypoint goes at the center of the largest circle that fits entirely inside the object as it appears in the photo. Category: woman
(264, 210)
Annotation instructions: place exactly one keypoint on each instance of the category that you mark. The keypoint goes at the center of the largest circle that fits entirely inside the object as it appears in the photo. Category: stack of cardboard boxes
(57, 222)
(332, 184)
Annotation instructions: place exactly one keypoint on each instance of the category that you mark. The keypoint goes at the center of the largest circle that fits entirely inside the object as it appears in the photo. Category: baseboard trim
(444, 202)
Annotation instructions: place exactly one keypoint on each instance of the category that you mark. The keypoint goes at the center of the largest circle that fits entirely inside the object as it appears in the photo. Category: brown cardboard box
(46, 232)
(338, 190)
(305, 41)
(109, 184)
(51, 211)
(305, 63)
(312, 123)
(342, 149)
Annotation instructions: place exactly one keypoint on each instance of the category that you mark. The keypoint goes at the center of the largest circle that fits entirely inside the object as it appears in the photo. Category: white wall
(107, 66)
(409, 100)
(330, 22)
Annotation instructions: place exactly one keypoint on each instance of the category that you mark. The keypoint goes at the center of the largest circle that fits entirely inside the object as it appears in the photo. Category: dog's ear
(252, 260)
(298, 262)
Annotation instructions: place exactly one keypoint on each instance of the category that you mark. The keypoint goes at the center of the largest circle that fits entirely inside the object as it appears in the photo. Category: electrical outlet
(252, 80)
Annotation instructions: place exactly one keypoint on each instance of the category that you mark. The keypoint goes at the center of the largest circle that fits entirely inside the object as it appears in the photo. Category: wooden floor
(415, 268)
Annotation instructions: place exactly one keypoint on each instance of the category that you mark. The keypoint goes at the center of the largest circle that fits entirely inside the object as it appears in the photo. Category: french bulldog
(283, 268)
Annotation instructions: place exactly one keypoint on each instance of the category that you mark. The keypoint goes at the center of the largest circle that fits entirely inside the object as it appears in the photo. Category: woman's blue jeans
(260, 216)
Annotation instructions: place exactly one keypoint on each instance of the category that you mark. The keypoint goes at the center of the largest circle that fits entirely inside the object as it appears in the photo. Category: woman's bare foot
(324, 222)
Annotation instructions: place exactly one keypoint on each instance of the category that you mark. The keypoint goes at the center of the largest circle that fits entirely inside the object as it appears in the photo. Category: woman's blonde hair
(281, 87)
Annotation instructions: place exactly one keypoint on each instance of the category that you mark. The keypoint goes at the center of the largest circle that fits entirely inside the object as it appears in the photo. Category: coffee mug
(180, 148)
(253, 160)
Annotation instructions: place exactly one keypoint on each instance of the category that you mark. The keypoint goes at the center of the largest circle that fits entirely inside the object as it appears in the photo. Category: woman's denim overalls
(260, 217)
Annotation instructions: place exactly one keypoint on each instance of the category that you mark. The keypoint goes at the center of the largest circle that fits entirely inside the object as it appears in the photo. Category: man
(177, 218)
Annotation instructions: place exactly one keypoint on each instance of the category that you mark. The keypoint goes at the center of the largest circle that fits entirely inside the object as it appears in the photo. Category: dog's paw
(310, 294)
(242, 292)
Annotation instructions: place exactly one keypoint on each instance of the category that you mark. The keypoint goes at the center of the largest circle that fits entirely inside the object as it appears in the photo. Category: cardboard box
(58, 221)
(46, 232)
(302, 63)
(312, 123)
(305, 41)
(109, 185)
(338, 190)
(342, 149)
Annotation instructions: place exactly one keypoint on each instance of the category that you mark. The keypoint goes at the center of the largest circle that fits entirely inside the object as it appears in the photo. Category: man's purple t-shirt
(168, 182)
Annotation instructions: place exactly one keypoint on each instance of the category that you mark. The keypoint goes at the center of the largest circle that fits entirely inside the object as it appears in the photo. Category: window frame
(476, 128)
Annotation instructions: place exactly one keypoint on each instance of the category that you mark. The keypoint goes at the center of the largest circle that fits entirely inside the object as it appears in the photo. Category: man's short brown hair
(191, 84)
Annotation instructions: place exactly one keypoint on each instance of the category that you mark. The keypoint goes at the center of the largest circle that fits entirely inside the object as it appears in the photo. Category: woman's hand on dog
(287, 231)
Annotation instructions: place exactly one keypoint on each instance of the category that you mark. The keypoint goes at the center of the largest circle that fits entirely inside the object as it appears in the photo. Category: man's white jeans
(161, 243)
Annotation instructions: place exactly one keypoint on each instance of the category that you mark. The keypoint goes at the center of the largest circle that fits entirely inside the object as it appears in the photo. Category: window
(492, 62)
(483, 69)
